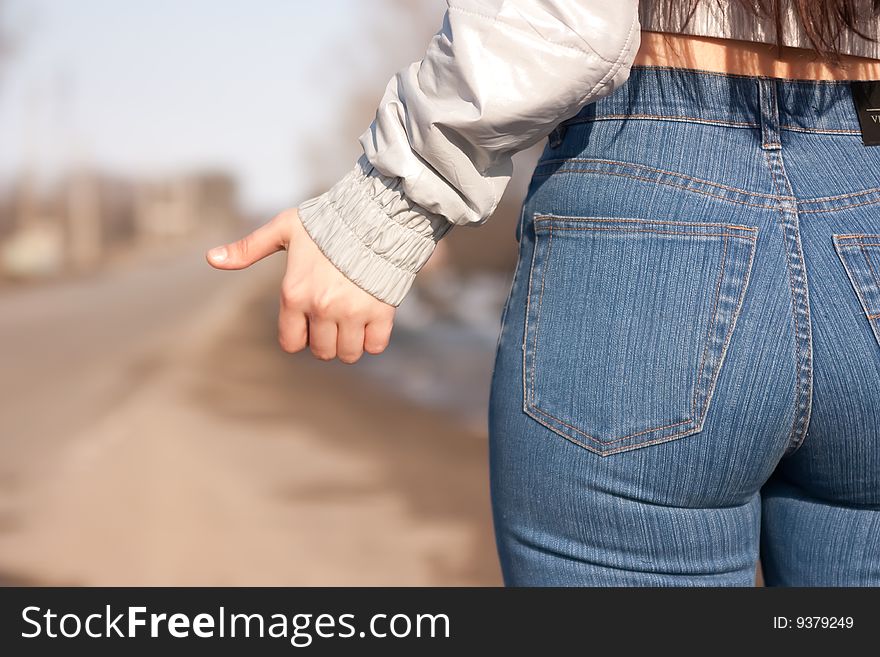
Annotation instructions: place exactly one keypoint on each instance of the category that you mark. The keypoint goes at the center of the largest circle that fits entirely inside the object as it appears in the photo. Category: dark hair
(824, 21)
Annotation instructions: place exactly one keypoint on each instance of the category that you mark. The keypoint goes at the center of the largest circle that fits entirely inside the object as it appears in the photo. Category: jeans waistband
(770, 104)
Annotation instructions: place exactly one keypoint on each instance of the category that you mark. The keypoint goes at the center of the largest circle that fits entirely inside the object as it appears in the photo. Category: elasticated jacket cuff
(371, 232)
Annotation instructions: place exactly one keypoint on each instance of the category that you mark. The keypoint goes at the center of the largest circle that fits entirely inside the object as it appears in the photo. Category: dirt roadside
(236, 464)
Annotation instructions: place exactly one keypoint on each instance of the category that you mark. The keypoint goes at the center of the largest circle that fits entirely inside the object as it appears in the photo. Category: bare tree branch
(5, 39)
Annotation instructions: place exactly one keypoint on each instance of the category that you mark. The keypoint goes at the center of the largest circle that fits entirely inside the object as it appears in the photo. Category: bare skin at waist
(749, 58)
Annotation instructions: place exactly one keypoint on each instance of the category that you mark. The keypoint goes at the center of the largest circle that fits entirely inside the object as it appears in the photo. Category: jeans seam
(658, 182)
(797, 345)
(609, 452)
(840, 207)
(541, 218)
(528, 373)
(793, 444)
(736, 310)
(856, 236)
(870, 265)
(525, 369)
(709, 183)
(835, 197)
(850, 268)
(683, 118)
(871, 317)
(651, 230)
(709, 332)
(669, 172)
(540, 307)
(535, 408)
(821, 131)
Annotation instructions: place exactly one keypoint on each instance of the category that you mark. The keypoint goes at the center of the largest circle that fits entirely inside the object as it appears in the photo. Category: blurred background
(152, 432)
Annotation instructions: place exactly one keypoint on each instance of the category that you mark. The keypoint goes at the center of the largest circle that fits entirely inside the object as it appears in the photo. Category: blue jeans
(687, 377)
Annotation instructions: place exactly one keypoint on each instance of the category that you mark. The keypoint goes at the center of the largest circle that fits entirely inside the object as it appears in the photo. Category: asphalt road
(152, 432)
(72, 350)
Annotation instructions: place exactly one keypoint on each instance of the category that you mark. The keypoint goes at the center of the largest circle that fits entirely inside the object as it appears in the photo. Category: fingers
(293, 330)
(328, 339)
(265, 240)
(349, 341)
(377, 335)
(322, 338)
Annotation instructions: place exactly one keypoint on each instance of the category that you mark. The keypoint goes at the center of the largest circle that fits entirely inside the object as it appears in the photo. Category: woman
(687, 368)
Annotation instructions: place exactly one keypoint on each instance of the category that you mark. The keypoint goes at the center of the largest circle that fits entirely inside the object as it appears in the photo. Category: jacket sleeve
(496, 78)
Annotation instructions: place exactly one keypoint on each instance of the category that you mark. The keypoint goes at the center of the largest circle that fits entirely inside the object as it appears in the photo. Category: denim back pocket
(627, 325)
(860, 255)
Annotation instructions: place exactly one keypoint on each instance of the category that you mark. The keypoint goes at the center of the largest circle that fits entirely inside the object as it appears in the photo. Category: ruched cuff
(372, 232)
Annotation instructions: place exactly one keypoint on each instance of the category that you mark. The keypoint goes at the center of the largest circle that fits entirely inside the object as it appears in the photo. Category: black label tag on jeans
(866, 96)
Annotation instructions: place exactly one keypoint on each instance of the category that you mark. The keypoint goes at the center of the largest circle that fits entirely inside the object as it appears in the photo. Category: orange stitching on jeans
(714, 316)
(841, 207)
(633, 165)
(797, 344)
(824, 199)
(661, 117)
(649, 230)
(540, 307)
(702, 224)
(837, 197)
(853, 236)
(664, 439)
(606, 452)
(604, 442)
(870, 266)
(658, 182)
(526, 327)
(874, 316)
(842, 131)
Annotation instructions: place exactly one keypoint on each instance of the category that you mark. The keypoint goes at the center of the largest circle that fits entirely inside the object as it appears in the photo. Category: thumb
(265, 240)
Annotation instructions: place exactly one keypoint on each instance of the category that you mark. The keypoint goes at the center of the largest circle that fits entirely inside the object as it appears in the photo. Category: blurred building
(87, 215)
(176, 207)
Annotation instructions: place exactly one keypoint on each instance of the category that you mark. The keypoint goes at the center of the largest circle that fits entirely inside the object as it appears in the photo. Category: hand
(320, 307)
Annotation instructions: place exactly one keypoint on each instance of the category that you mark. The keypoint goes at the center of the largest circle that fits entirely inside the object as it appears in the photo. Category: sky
(151, 87)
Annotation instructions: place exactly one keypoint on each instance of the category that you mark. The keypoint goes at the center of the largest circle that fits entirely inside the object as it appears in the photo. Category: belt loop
(768, 100)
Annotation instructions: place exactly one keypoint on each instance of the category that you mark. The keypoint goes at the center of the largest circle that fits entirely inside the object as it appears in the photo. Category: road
(153, 433)
(73, 350)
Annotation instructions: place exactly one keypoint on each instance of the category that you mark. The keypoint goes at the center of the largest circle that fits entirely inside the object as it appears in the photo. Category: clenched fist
(320, 307)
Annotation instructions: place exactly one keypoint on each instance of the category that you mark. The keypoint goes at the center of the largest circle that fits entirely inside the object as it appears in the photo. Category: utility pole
(81, 193)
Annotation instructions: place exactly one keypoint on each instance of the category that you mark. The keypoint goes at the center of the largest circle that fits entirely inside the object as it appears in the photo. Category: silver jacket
(496, 78)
